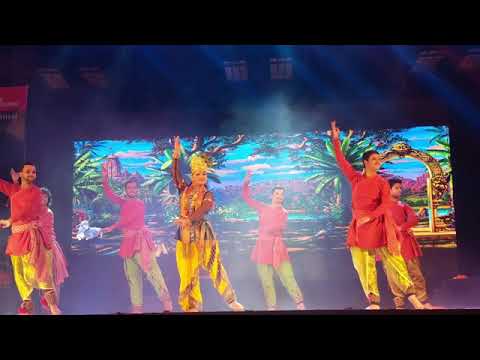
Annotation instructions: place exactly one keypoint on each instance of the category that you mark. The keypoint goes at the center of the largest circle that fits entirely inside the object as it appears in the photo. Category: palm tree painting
(86, 178)
(441, 149)
(215, 147)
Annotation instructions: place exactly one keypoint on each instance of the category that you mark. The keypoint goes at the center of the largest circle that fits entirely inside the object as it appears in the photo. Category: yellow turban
(200, 162)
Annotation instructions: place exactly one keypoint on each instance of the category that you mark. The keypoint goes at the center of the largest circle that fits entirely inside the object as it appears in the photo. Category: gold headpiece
(200, 162)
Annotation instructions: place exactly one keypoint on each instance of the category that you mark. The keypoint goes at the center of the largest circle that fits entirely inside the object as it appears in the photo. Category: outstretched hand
(5, 223)
(107, 230)
(335, 131)
(363, 220)
(183, 222)
(177, 147)
(421, 213)
(15, 176)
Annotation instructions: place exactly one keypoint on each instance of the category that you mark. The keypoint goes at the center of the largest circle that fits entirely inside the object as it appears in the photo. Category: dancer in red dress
(270, 253)
(137, 248)
(405, 219)
(372, 231)
(30, 250)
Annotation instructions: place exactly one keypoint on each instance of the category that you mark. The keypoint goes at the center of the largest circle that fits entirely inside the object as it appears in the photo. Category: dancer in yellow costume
(197, 245)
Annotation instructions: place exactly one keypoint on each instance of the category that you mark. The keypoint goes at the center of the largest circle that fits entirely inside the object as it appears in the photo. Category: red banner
(13, 108)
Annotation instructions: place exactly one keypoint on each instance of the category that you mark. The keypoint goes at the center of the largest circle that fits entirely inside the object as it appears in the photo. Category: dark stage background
(157, 92)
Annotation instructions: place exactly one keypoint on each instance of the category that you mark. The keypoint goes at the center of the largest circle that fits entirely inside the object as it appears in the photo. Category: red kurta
(135, 237)
(406, 218)
(370, 197)
(269, 248)
(25, 207)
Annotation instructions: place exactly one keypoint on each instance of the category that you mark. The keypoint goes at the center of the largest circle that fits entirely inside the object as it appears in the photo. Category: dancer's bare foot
(55, 310)
(301, 306)
(236, 306)
(429, 306)
(373, 307)
(167, 306)
(417, 304)
(137, 309)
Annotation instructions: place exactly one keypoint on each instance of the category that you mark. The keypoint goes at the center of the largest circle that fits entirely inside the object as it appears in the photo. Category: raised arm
(108, 190)
(346, 168)
(207, 205)
(176, 173)
(412, 219)
(246, 193)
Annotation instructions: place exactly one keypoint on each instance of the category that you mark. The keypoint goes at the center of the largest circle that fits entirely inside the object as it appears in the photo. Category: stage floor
(97, 286)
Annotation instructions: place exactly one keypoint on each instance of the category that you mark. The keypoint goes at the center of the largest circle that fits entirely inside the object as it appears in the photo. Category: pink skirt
(60, 271)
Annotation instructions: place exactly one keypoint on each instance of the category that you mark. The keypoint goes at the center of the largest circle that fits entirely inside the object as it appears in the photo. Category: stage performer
(197, 246)
(137, 247)
(405, 219)
(46, 221)
(270, 253)
(28, 247)
(59, 262)
(372, 231)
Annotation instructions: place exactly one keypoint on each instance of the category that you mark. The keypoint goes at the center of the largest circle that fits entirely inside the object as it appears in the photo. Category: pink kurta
(370, 197)
(136, 238)
(270, 247)
(59, 261)
(406, 218)
(25, 208)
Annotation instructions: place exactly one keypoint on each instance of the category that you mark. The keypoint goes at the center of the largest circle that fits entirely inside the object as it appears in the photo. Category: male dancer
(197, 245)
(137, 248)
(372, 230)
(270, 253)
(28, 247)
(46, 223)
(405, 219)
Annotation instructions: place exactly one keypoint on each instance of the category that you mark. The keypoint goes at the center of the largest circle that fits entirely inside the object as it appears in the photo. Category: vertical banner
(13, 109)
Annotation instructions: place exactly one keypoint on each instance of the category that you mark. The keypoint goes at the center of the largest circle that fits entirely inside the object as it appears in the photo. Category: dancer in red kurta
(270, 252)
(372, 231)
(137, 248)
(405, 219)
(28, 247)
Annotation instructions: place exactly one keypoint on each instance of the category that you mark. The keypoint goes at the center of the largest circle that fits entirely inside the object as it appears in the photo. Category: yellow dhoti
(394, 266)
(26, 278)
(198, 250)
(34, 269)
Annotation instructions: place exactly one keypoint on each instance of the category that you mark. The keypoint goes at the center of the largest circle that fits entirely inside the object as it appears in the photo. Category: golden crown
(200, 162)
